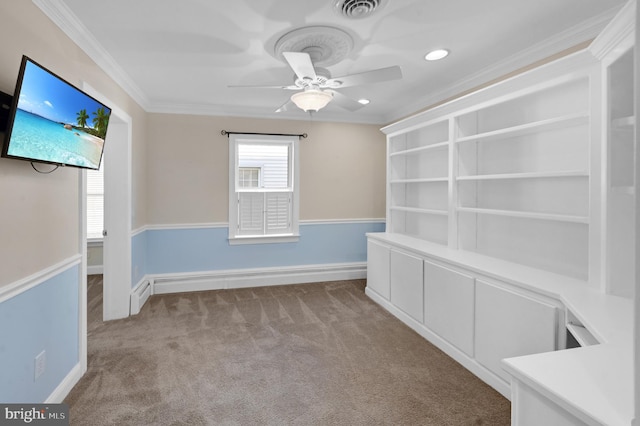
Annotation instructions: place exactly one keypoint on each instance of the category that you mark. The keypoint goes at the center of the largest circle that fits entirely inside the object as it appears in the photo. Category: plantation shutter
(278, 212)
(250, 213)
(95, 202)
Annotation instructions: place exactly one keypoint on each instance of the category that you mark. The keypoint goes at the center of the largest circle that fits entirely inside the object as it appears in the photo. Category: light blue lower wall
(207, 249)
(138, 257)
(44, 317)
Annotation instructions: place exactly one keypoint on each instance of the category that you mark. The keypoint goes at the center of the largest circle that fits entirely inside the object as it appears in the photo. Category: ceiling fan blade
(291, 87)
(367, 77)
(301, 64)
(345, 102)
(287, 106)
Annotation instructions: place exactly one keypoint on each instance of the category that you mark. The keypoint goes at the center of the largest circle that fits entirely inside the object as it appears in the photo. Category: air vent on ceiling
(356, 9)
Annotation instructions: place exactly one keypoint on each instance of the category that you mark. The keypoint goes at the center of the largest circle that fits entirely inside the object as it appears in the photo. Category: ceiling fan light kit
(311, 99)
(318, 88)
(307, 49)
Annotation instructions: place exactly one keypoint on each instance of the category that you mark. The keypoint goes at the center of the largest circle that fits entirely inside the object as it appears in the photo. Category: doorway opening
(116, 243)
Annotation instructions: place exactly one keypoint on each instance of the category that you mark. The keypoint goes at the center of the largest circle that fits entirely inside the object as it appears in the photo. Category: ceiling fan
(315, 88)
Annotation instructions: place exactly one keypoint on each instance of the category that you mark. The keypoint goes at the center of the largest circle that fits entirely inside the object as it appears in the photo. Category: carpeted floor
(313, 354)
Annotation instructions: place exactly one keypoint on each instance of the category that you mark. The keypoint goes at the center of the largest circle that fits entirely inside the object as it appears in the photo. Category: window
(249, 177)
(95, 202)
(263, 188)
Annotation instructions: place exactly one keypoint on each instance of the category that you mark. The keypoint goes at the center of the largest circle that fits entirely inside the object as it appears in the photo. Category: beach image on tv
(55, 122)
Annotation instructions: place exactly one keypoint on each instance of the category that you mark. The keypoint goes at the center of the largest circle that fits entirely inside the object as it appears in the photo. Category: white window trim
(294, 236)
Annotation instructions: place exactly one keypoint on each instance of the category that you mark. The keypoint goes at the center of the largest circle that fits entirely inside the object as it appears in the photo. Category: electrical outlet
(40, 364)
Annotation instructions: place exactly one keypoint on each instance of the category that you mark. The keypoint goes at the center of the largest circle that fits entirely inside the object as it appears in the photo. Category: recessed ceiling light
(364, 101)
(437, 54)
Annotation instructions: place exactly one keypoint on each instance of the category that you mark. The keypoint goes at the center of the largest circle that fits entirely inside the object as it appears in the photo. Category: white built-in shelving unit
(418, 182)
(515, 166)
(485, 193)
(511, 235)
(523, 177)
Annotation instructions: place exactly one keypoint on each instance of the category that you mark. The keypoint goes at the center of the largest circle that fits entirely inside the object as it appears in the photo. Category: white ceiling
(179, 56)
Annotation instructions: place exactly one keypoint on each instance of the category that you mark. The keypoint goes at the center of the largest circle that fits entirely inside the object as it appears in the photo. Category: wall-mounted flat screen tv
(52, 121)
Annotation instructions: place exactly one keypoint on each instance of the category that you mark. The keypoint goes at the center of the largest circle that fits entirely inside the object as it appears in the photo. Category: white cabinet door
(378, 268)
(449, 305)
(406, 283)
(530, 408)
(509, 324)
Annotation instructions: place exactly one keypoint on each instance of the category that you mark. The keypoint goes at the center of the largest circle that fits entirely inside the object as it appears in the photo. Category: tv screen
(51, 121)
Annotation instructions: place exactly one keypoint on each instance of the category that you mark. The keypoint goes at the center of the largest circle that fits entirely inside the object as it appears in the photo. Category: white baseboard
(95, 270)
(140, 294)
(258, 277)
(63, 389)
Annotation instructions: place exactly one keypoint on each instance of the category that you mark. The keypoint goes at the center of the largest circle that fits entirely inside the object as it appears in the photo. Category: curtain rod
(301, 135)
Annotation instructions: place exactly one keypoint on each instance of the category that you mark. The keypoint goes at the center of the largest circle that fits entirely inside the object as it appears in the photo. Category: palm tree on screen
(100, 122)
(82, 117)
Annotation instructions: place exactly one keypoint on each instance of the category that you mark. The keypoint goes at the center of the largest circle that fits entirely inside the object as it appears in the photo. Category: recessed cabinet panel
(378, 268)
(449, 305)
(509, 324)
(406, 283)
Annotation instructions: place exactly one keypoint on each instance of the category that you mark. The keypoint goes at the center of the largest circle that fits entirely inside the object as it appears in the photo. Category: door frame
(118, 217)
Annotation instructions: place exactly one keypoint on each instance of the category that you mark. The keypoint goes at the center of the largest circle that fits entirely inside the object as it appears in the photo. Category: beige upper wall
(342, 165)
(39, 213)
(342, 168)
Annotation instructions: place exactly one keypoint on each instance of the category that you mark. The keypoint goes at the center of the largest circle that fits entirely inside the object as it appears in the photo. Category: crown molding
(586, 30)
(68, 22)
(615, 32)
(64, 18)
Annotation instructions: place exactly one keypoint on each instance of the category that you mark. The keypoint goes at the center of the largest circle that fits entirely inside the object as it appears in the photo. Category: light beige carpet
(314, 354)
